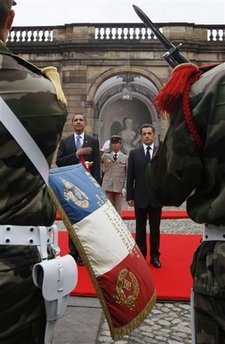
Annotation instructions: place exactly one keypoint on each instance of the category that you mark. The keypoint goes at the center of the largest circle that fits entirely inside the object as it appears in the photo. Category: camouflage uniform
(179, 170)
(24, 197)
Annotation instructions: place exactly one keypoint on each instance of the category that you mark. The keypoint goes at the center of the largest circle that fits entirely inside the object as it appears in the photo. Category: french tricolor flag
(118, 270)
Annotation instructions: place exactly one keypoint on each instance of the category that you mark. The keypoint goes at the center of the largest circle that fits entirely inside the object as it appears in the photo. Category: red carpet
(170, 214)
(173, 281)
(166, 214)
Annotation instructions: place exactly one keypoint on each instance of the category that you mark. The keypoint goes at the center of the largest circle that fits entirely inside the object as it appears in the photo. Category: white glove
(106, 146)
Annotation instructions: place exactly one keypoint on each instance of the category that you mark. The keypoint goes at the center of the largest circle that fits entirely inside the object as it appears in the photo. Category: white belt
(40, 236)
(214, 233)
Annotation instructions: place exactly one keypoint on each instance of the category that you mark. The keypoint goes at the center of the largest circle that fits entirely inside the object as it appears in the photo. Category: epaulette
(53, 75)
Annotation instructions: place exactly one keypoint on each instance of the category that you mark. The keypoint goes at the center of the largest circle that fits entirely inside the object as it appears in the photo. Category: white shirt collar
(116, 152)
(145, 147)
(81, 135)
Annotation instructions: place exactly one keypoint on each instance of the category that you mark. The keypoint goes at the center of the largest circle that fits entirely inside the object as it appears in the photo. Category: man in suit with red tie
(137, 195)
(79, 148)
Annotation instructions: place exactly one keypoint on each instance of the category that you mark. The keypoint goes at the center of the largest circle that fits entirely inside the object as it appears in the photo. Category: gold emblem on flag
(74, 194)
(127, 288)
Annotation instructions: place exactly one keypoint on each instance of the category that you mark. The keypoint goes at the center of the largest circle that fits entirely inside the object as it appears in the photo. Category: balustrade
(30, 35)
(107, 32)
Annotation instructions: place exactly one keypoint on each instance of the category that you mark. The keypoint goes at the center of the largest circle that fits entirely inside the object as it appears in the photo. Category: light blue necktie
(78, 141)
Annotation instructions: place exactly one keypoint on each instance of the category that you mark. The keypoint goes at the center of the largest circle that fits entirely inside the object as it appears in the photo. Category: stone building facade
(112, 72)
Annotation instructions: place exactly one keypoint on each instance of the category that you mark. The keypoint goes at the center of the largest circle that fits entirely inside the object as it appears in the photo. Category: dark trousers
(22, 308)
(32, 333)
(209, 319)
(154, 216)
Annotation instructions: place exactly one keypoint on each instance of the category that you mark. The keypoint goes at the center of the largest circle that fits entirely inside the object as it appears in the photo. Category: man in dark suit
(79, 148)
(138, 196)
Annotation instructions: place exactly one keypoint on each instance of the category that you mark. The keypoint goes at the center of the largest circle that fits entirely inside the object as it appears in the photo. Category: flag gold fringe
(116, 333)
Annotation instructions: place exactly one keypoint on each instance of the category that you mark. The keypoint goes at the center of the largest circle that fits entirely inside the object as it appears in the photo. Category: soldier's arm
(176, 169)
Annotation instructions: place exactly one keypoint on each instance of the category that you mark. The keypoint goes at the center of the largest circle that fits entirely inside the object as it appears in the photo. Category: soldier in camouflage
(24, 197)
(183, 169)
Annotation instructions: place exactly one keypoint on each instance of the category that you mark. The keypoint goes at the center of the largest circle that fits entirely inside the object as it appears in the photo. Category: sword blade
(149, 24)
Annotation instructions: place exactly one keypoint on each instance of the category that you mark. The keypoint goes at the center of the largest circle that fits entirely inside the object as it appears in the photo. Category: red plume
(174, 88)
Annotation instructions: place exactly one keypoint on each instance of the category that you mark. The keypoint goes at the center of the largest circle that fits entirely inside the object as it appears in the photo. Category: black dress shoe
(156, 263)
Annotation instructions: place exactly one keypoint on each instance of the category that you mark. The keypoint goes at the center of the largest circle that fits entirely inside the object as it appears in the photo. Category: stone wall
(89, 55)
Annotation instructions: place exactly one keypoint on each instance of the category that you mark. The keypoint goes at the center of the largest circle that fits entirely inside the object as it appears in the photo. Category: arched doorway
(122, 103)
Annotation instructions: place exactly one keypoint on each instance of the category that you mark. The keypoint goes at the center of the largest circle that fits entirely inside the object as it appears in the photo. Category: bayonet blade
(149, 24)
(172, 56)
